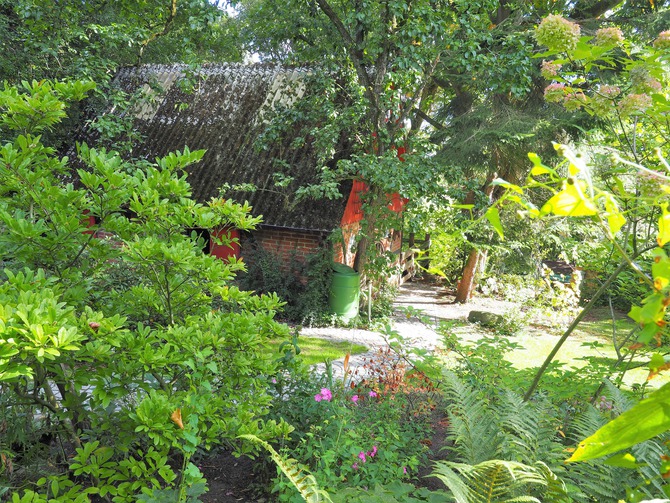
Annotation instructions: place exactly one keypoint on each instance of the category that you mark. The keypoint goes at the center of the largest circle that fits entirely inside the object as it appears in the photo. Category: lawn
(592, 338)
(314, 350)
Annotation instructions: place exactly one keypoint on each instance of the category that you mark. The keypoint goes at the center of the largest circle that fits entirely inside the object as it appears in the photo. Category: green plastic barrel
(345, 291)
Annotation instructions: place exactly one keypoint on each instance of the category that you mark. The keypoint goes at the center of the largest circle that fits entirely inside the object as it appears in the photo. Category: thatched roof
(224, 109)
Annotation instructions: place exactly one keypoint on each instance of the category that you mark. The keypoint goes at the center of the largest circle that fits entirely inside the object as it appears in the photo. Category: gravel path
(435, 304)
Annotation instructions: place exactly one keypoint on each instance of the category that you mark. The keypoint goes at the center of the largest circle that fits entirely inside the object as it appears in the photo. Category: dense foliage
(119, 337)
(126, 353)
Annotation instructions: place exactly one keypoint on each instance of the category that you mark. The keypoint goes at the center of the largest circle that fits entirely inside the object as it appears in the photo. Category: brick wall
(284, 243)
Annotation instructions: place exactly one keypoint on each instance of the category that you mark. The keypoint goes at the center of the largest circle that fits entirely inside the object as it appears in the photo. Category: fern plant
(498, 481)
(490, 427)
(473, 430)
(598, 481)
(297, 474)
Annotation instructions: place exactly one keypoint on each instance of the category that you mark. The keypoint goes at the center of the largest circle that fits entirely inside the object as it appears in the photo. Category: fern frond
(595, 480)
(621, 400)
(529, 430)
(473, 429)
(497, 481)
(649, 454)
(296, 473)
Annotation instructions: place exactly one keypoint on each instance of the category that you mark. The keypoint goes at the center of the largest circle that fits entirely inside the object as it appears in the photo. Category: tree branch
(354, 53)
(165, 31)
(593, 9)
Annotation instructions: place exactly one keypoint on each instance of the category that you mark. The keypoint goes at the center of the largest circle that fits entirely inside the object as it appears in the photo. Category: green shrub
(131, 352)
(303, 285)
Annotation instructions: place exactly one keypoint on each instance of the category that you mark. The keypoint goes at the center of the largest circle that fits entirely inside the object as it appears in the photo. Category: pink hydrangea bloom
(634, 104)
(602, 101)
(609, 36)
(557, 33)
(554, 93)
(642, 81)
(549, 69)
(663, 40)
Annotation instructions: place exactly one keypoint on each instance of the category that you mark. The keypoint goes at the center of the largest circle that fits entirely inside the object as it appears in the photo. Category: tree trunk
(467, 283)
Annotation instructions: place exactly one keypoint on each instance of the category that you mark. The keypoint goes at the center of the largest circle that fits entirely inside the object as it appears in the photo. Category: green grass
(599, 324)
(314, 350)
(537, 342)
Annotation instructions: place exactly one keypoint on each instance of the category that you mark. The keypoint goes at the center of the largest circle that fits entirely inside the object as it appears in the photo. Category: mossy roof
(225, 109)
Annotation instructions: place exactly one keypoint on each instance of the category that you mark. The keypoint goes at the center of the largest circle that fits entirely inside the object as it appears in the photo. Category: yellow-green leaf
(615, 220)
(623, 460)
(664, 227)
(493, 217)
(650, 417)
(507, 185)
(570, 202)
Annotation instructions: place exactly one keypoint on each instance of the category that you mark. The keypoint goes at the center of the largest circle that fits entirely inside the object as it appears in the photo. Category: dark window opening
(203, 237)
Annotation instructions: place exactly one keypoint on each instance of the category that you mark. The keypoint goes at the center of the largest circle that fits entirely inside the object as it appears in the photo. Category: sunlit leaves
(643, 421)
(664, 227)
(571, 201)
(615, 220)
(493, 216)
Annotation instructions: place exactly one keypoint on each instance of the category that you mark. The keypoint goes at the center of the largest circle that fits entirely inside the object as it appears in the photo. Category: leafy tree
(68, 38)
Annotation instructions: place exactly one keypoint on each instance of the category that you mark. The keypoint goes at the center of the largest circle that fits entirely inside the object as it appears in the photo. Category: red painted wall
(223, 251)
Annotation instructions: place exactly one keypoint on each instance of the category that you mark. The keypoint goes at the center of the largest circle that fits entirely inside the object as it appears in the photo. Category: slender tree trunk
(467, 283)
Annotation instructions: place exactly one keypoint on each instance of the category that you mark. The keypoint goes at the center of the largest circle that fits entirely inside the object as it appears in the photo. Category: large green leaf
(664, 227)
(570, 202)
(643, 421)
(493, 216)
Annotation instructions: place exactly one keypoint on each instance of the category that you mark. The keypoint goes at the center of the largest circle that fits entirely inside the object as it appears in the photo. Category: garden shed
(225, 109)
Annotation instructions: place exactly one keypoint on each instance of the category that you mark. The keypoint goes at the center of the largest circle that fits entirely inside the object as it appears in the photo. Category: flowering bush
(356, 436)
(663, 40)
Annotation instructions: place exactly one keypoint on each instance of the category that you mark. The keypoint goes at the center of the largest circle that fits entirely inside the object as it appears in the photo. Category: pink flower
(663, 40)
(354, 398)
(274, 381)
(355, 466)
(602, 102)
(642, 81)
(404, 470)
(372, 394)
(372, 452)
(325, 395)
(574, 101)
(549, 70)
(361, 456)
(634, 104)
(554, 93)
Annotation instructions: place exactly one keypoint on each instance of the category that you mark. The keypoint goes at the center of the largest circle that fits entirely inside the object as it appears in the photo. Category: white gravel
(436, 306)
